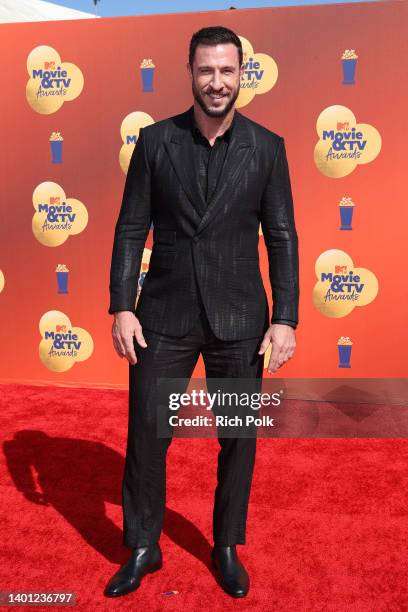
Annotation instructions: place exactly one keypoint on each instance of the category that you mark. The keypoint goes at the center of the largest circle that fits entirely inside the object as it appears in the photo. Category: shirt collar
(195, 129)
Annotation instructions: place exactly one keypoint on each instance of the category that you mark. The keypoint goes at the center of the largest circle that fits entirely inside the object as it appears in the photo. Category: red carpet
(327, 523)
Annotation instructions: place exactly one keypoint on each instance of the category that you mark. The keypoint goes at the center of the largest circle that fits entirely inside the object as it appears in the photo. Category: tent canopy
(37, 10)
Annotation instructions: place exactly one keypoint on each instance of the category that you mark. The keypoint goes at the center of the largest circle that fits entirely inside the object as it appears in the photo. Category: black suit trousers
(144, 479)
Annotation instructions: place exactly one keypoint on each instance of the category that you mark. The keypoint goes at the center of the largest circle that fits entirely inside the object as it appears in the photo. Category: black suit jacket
(208, 248)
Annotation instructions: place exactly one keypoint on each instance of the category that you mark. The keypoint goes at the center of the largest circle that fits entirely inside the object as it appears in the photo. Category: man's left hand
(283, 345)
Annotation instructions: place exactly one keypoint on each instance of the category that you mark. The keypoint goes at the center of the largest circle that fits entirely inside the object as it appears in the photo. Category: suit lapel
(180, 149)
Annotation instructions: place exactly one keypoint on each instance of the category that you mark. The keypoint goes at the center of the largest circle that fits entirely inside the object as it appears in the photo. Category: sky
(111, 8)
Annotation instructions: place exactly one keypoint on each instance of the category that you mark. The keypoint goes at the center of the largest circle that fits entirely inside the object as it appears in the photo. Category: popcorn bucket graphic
(346, 206)
(349, 70)
(349, 63)
(56, 152)
(62, 278)
(344, 345)
(56, 141)
(147, 71)
(346, 217)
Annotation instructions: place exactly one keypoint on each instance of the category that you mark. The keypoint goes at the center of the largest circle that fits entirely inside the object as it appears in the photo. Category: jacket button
(196, 238)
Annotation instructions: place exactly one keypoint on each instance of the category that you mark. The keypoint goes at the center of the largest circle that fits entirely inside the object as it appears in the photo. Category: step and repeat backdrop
(329, 79)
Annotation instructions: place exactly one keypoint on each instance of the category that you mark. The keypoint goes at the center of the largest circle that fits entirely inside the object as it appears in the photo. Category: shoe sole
(156, 567)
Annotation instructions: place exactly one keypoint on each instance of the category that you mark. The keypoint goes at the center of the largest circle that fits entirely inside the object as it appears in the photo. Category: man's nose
(216, 82)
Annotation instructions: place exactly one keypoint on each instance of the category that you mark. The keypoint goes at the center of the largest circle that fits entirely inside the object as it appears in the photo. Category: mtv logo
(343, 126)
(55, 199)
(60, 328)
(340, 269)
(49, 65)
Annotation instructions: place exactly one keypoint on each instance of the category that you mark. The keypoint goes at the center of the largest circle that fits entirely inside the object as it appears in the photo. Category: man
(206, 178)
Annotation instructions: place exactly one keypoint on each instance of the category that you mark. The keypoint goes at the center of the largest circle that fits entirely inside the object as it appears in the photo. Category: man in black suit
(206, 178)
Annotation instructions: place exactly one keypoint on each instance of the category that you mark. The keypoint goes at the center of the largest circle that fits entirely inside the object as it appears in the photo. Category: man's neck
(211, 127)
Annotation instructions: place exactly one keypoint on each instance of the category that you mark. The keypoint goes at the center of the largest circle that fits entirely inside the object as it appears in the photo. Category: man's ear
(189, 70)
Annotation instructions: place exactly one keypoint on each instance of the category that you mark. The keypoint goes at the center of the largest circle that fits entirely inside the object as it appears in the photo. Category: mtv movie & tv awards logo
(260, 74)
(343, 143)
(52, 82)
(62, 345)
(56, 217)
(129, 130)
(341, 285)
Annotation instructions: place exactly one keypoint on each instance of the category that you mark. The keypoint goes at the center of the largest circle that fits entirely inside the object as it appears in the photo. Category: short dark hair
(211, 36)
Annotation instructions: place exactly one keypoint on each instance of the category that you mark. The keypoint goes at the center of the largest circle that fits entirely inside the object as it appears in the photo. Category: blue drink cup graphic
(349, 71)
(344, 355)
(62, 282)
(346, 217)
(147, 78)
(56, 151)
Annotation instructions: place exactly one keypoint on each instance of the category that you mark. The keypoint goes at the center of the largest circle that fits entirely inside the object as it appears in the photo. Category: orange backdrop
(305, 46)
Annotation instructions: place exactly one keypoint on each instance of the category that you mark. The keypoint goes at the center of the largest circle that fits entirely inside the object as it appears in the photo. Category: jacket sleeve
(278, 227)
(131, 230)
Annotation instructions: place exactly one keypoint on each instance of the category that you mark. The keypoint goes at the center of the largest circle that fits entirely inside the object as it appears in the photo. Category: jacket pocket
(164, 236)
(162, 258)
(250, 259)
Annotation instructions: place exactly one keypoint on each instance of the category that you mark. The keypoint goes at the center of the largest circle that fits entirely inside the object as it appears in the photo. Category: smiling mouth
(216, 96)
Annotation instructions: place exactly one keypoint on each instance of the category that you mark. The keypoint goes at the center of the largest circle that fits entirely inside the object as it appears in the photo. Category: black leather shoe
(232, 574)
(143, 560)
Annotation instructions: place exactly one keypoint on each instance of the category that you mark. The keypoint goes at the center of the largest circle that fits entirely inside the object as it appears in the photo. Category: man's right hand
(125, 327)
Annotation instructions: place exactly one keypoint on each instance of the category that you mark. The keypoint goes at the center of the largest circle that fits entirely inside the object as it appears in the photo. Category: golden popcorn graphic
(62, 345)
(143, 271)
(343, 143)
(344, 341)
(260, 75)
(349, 54)
(129, 130)
(147, 63)
(346, 201)
(61, 268)
(56, 217)
(2, 281)
(56, 136)
(52, 82)
(341, 286)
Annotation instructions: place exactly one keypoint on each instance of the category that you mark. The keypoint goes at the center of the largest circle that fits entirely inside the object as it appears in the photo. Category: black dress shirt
(209, 160)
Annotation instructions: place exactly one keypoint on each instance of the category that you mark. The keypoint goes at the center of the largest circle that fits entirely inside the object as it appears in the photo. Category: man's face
(216, 78)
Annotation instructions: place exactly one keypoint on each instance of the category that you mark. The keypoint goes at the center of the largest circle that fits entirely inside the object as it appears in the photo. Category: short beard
(214, 113)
